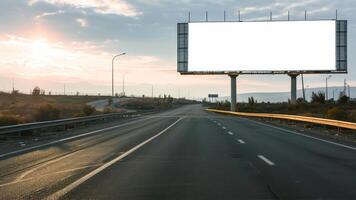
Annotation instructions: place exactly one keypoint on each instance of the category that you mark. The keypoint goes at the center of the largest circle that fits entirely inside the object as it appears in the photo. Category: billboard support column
(293, 89)
(233, 92)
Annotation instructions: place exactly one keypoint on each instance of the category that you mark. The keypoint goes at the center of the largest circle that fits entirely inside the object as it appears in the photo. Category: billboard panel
(262, 47)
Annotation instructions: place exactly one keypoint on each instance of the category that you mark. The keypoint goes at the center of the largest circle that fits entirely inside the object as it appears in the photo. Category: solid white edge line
(308, 136)
(241, 141)
(75, 184)
(69, 138)
(266, 160)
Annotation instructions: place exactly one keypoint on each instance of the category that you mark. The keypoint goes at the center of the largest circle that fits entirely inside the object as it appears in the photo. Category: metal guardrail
(314, 120)
(62, 122)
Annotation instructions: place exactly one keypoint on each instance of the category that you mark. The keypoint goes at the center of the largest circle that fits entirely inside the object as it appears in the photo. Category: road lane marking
(42, 175)
(308, 136)
(230, 133)
(15, 182)
(23, 175)
(70, 138)
(74, 169)
(75, 184)
(266, 160)
(223, 127)
(219, 124)
(241, 141)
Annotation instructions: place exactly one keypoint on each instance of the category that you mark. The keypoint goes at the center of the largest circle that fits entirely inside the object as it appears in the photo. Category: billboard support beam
(293, 88)
(233, 92)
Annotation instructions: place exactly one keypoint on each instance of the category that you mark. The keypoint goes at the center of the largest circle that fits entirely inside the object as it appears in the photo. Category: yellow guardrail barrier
(314, 120)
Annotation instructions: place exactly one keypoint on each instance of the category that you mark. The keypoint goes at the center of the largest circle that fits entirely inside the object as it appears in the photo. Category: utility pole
(303, 87)
(13, 85)
(123, 84)
(152, 91)
(326, 87)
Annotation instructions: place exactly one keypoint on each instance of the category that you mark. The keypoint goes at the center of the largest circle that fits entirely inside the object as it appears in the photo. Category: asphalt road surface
(186, 153)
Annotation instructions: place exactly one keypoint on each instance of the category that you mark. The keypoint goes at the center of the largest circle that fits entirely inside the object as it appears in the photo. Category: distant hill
(284, 96)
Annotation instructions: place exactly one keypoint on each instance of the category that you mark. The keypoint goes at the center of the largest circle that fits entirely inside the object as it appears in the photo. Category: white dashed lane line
(241, 141)
(223, 127)
(266, 160)
(230, 133)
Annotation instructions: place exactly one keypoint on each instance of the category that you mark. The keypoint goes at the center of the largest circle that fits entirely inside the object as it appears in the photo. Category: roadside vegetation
(17, 108)
(340, 109)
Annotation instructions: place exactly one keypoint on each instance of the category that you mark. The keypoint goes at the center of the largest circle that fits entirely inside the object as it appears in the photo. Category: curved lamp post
(112, 72)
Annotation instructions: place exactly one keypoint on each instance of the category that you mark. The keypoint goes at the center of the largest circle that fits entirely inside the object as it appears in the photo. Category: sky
(57, 44)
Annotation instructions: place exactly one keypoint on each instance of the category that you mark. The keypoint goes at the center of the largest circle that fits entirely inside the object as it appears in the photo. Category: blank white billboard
(262, 46)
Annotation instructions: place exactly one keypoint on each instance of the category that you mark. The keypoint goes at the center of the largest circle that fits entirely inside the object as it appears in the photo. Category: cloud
(45, 14)
(82, 22)
(255, 9)
(279, 6)
(117, 7)
(84, 61)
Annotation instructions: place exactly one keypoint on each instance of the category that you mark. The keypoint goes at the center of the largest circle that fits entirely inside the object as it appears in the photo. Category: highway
(185, 153)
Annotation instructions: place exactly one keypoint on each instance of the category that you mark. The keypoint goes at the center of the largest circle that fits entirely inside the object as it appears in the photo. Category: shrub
(36, 91)
(337, 113)
(301, 100)
(251, 101)
(47, 112)
(343, 99)
(318, 98)
(352, 117)
(6, 120)
(88, 110)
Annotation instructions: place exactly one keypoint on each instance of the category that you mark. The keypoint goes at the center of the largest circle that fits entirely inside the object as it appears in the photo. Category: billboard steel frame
(340, 45)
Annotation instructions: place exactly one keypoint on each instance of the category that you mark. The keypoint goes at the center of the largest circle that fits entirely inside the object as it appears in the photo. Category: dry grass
(21, 108)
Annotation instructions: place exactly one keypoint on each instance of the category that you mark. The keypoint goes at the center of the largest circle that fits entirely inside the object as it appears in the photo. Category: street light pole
(112, 72)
